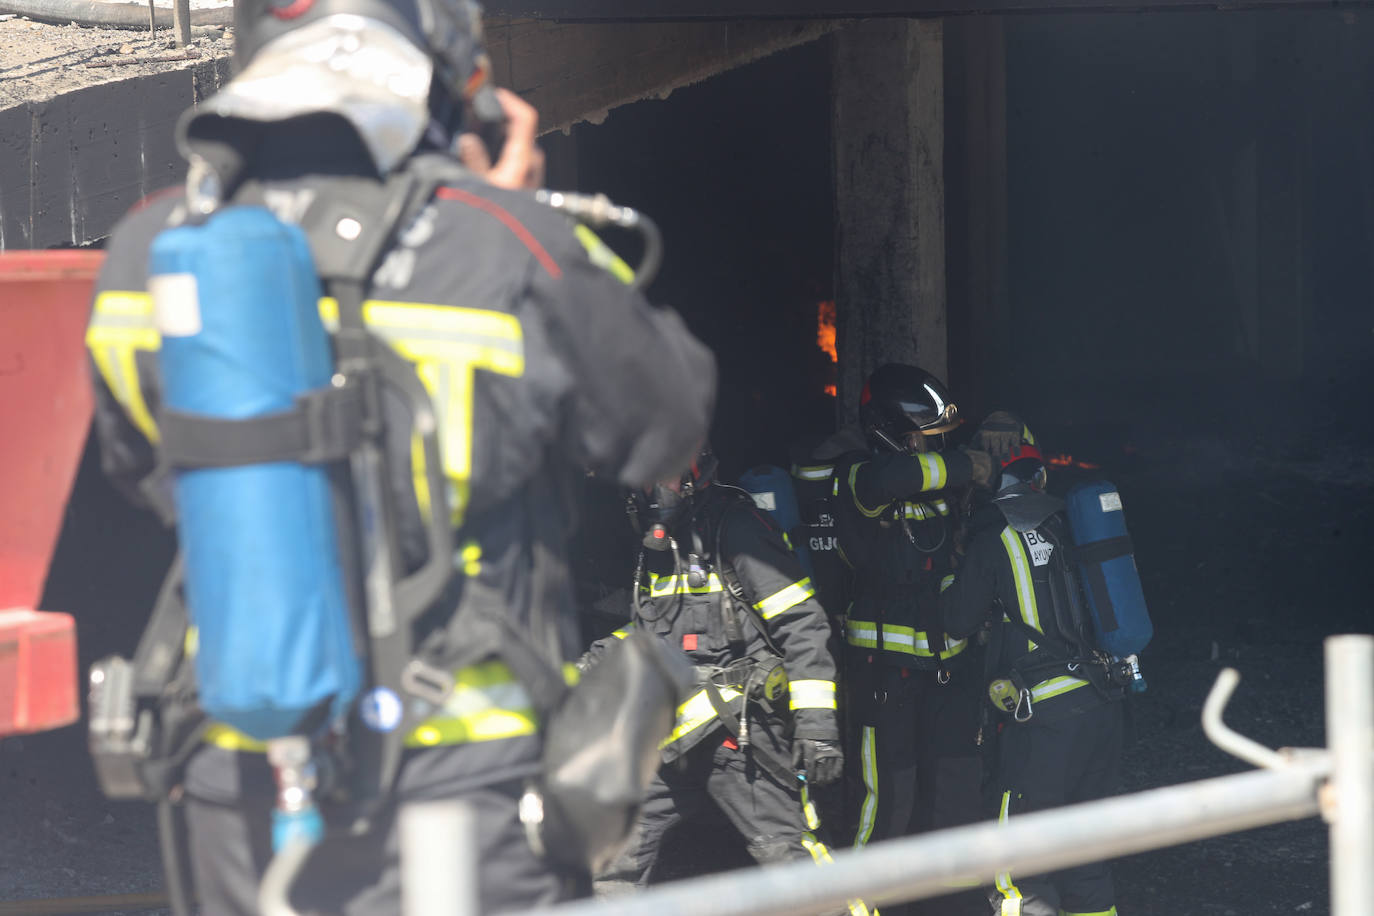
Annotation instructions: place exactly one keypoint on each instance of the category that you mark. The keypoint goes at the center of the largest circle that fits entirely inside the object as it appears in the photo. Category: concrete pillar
(889, 199)
(976, 209)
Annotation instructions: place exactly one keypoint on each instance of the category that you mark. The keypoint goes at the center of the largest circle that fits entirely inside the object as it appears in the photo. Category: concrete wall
(75, 162)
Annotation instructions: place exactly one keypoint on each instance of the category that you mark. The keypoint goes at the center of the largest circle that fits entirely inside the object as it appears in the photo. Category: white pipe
(439, 855)
(924, 866)
(1348, 803)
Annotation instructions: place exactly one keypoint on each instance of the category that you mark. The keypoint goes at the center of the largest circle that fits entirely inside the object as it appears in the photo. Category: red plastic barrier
(45, 411)
(38, 675)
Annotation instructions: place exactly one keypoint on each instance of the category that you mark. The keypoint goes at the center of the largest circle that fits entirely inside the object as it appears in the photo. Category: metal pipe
(439, 854)
(1232, 742)
(107, 15)
(925, 866)
(1348, 801)
(181, 21)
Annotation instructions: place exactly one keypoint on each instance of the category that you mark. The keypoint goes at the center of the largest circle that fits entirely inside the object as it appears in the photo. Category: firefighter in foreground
(537, 361)
(912, 691)
(1057, 712)
(716, 579)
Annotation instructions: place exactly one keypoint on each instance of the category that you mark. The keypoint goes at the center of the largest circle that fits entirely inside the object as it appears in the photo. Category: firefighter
(716, 579)
(544, 363)
(1058, 733)
(911, 690)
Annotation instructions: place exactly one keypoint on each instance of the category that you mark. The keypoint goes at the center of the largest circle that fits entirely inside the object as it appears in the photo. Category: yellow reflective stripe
(122, 323)
(854, 493)
(813, 820)
(487, 702)
(1011, 896)
(946, 582)
(786, 598)
(1021, 575)
(814, 472)
(820, 854)
(934, 476)
(231, 739)
(1108, 912)
(695, 712)
(1056, 686)
(602, 256)
(815, 694)
(469, 559)
(868, 758)
(922, 511)
(864, 634)
(623, 631)
(659, 586)
(448, 344)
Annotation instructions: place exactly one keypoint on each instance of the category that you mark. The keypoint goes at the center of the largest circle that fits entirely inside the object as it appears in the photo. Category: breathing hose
(597, 210)
(109, 15)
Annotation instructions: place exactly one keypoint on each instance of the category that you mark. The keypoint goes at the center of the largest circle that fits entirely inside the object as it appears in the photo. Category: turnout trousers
(777, 822)
(914, 746)
(1049, 761)
(228, 804)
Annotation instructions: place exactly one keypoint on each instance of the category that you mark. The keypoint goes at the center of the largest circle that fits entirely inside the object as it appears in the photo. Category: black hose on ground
(108, 15)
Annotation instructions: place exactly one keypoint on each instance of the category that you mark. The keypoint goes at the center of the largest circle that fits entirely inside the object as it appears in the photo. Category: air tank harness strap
(324, 425)
(738, 728)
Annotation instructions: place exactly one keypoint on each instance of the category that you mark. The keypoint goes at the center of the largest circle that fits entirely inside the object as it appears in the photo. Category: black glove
(1000, 434)
(821, 761)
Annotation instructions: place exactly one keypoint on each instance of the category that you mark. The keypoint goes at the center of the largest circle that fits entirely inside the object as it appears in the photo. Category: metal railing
(1291, 784)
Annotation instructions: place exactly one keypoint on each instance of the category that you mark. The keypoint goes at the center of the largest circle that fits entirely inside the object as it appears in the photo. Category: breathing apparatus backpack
(288, 598)
(772, 490)
(1072, 636)
(288, 613)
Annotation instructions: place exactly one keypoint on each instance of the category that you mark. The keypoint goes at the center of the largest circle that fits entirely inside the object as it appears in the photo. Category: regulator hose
(597, 210)
(108, 15)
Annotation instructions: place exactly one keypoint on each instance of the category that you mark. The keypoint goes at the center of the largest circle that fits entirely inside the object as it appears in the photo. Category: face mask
(652, 513)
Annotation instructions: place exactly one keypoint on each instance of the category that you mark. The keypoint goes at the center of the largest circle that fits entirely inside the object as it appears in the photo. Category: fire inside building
(1147, 227)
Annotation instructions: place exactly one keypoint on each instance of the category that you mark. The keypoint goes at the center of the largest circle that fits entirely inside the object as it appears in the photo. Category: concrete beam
(890, 204)
(77, 161)
(575, 73)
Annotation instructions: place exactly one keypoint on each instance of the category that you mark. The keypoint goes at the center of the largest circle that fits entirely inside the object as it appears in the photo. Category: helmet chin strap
(887, 440)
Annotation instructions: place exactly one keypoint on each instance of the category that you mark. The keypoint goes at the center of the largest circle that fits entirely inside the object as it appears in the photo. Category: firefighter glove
(1000, 435)
(986, 471)
(821, 761)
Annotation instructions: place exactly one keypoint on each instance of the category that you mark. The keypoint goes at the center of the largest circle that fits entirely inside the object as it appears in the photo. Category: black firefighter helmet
(902, 406)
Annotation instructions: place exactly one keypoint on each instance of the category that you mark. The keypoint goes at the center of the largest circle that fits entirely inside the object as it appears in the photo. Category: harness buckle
(423, 680)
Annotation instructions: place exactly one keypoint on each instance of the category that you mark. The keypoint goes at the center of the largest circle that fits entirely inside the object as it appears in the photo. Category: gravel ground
(38, 60)
(1251, 547)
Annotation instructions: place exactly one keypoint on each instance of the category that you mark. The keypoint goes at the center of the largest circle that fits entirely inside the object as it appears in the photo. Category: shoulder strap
(734, 588)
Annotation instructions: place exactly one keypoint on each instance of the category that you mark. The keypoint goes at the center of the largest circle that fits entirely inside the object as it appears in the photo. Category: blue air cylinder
(1106, 564)
(237, 304)
(771, 487)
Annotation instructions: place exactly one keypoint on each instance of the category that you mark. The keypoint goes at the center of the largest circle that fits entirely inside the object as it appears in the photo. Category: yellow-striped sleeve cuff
(946, 582)
(789, 597)
(812, 694)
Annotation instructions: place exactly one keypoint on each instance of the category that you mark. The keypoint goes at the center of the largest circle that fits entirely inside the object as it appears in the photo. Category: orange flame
(825, 331)
(1067, 461)
(831, 390)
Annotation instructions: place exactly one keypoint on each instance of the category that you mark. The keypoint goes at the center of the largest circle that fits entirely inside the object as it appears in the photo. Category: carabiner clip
(942, 676)
(1023, 700)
